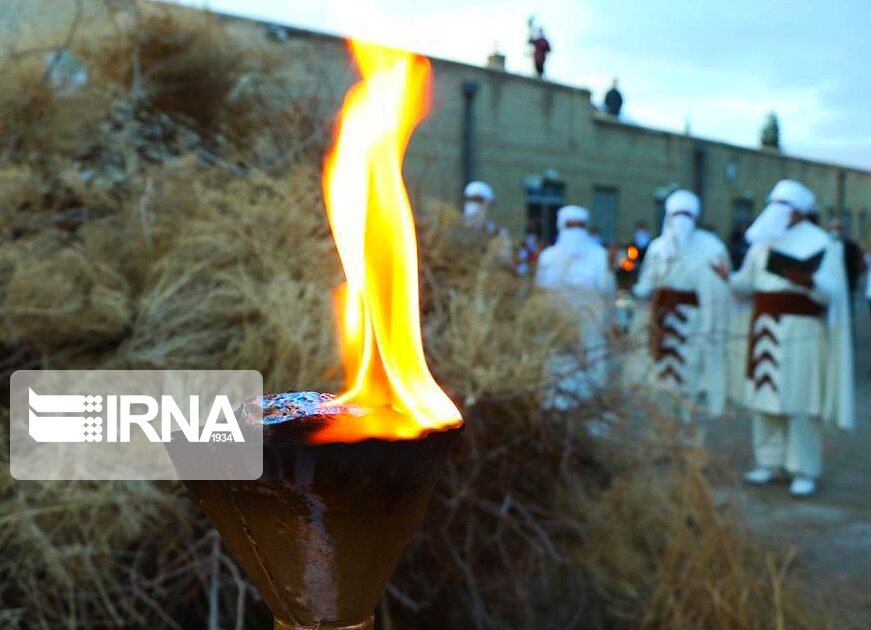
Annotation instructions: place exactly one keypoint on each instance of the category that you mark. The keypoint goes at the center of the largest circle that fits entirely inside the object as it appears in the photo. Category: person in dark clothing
(613, 100)
(540, 51)
(641, 239)
(854, 257)
(738, 245)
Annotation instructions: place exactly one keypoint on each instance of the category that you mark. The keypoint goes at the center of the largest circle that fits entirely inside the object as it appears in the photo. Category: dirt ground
(829, 533)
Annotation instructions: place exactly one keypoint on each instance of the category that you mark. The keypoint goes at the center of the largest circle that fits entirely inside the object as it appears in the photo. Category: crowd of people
(764, 323)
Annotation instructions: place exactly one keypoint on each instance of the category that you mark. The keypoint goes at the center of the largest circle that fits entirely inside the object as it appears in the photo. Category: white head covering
(683, 201)
(572, 239)
(570, 262)
(475, 212)
(479, 189)
(677, 226)
(571, 213)
(772, 223)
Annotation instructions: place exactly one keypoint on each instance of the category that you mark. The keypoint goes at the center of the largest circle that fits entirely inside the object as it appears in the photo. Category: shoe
(760, 476)
(803, 486)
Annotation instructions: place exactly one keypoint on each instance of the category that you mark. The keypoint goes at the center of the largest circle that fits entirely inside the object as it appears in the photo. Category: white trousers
(791, 442)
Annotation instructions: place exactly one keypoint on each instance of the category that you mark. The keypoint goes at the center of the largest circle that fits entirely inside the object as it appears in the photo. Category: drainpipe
(470, 89)
(699, 156)
(842, 194)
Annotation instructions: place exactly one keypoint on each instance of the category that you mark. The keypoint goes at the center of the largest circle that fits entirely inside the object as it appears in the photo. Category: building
(541, 144)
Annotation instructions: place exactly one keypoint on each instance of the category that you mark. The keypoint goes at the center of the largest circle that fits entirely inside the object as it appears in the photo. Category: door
(605, 212)
(543, 198)
(847, 221)
(742, 213)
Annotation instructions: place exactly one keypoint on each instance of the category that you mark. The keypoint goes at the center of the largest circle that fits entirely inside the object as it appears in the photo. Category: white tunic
(688, 318)
(740, 312)
(799, 362)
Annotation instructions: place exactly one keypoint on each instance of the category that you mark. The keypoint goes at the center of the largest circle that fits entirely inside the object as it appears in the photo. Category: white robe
(801, 364)
(740, 311)
(585, 283)
(690, 356)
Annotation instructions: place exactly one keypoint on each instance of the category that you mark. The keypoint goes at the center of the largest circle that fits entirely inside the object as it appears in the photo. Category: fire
(373, 227)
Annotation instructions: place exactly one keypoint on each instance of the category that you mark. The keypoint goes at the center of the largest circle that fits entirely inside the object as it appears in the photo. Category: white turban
(682, 201)
(572, 240)
(479, 189)
(677, 227)
(570, 261)
(786, 197)
(793, 193)
(475, 210)
(571, 213)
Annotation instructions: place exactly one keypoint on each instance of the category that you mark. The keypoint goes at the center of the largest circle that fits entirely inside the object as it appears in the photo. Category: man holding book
(689, 308)
(799, 362)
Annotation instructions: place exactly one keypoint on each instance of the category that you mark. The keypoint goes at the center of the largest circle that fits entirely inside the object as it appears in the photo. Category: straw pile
(167, 214)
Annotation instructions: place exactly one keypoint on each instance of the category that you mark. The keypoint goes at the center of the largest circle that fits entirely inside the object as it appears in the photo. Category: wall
(525, 127)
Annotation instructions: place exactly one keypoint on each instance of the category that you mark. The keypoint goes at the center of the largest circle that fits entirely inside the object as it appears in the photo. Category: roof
(598, 116)
(607, 119)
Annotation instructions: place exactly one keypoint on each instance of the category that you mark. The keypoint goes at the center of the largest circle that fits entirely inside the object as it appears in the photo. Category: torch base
(366, 624)
(320, 532)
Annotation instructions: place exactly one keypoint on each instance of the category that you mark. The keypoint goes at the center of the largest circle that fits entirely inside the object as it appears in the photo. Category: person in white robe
(799, 371)
(688, 320)
(477, 198)
(478, 229)
(576, 270)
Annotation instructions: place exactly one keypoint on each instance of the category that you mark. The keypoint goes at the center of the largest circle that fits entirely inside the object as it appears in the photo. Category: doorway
(544, 197)
(605, 212)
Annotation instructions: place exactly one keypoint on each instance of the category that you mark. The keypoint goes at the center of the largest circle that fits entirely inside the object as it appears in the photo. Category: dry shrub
(22, 193)
(496, 547)
(663, 555)
(536, 524)
(36, 119)
(83, 553)
(246, 284)
(488, 343)
(185, 66)
(58, 296)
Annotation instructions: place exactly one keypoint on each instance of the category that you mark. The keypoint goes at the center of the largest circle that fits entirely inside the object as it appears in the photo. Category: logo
(49, 421)
(135, 424)
(49, 424)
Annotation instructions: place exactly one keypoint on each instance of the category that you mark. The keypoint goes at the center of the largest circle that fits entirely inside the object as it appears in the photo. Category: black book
(779, 263)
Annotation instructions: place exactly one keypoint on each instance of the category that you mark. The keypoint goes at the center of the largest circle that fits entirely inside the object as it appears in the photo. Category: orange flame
(372, 224)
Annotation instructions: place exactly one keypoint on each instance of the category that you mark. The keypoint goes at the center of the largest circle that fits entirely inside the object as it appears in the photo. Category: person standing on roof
(540, 47)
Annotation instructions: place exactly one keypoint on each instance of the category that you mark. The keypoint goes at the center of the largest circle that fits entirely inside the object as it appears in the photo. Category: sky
(717, 67)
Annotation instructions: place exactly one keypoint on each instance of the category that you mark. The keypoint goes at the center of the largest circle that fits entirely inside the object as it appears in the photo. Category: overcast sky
(719, 66)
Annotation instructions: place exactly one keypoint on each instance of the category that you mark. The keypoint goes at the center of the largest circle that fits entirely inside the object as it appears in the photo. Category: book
(780, 263)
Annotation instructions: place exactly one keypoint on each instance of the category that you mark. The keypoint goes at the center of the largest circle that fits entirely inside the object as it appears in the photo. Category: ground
(829, 533)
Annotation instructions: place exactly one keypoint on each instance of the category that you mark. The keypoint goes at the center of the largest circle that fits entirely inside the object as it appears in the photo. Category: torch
(346, 479)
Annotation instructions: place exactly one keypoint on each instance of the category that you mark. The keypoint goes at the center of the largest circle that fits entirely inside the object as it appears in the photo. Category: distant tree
(770, 136)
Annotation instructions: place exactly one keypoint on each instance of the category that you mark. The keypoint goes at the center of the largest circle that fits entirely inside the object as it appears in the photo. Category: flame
(373, 227)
